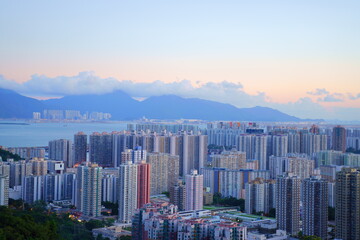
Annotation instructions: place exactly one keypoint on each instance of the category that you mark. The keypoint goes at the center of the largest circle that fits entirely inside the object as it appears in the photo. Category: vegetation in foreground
(5, 155)
(22, 221)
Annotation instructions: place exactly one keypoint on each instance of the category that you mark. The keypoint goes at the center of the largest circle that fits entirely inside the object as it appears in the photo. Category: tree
(113, 206)
(125, 238)
(331, 213)
(90, 225)
(218, 200)
(272, 212)
(5, 155)
(16, 203)
(310, 238)
(352, 150)
(167, 194)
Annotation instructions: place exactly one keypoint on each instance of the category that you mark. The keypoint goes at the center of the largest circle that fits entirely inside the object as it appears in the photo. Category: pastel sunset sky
(300, 57)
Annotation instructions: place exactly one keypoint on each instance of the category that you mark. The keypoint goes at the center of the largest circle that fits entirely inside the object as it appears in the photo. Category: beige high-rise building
(164, 172)
(39, 166)
(347, 210)
(231, 160)
(301, 167)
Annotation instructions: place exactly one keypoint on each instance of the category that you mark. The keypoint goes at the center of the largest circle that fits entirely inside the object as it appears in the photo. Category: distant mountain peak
(124, 107)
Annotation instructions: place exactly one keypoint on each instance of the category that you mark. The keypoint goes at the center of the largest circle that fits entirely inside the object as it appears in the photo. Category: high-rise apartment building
(109, 188)
(301, 167)
(194, 191)
(178, 195)
(279, 145)
(347, 210)
(294, 143)
(315, 207)
(143, 184)
(164, 171)
(193, 154)
(18, 170)
(52, 187)
(4, 190)
(128, 175)
(136, 156)
(61, 150)
(260, 196)
(101, 149)
(39, 166)
(80, 147)
(313, 143)
(288, 203)
(229, 159)
(28, 152)
(32, 188)
(119, 140)
(339, 139)
(88, 189)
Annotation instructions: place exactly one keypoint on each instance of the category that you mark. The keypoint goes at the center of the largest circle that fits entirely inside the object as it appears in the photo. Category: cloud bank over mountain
(225, 92)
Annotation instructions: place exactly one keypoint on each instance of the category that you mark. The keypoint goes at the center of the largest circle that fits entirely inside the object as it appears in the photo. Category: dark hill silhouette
(124, 107)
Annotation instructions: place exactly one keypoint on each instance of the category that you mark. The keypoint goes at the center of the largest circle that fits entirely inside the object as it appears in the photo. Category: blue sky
(278, 51)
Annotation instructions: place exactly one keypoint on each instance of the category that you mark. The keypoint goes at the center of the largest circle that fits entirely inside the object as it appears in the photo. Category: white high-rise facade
(4, 190)
(194, 153)
(61, 150)
(127, 191)
(260, 196)
(88, 187)
(194, 191)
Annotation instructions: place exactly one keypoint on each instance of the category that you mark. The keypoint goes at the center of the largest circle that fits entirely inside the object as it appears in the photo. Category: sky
(300, 57)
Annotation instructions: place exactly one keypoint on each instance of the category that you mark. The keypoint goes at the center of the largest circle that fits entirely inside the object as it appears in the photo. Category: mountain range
(124, 107)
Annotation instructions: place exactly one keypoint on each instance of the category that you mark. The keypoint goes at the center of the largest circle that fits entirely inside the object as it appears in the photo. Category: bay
(29, 134)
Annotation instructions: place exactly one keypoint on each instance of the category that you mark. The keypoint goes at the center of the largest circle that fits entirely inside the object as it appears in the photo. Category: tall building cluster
(55, 114)
(292, 173)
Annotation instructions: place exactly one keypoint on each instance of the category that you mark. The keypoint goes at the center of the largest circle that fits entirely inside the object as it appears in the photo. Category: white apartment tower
(194, 191)
(127, 191)
(88, 187)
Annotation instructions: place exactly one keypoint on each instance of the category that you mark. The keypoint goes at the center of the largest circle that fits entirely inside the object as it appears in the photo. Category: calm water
(39, 134)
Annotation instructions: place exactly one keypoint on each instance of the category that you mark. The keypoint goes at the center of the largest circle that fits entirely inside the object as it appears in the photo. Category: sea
(30, 134)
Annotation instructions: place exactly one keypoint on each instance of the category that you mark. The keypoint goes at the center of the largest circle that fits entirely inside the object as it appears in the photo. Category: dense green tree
(352, 150)
(5, 155)
(37, 223)
(25, 226)
(218, 200)
(331, 214)
(113, 206)
(90, 225)
(167, 194)
(272, 212)
(125, 238)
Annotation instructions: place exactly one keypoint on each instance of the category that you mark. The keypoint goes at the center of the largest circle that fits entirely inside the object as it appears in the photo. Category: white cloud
(334, 97)
(353, 97)
(318, 92)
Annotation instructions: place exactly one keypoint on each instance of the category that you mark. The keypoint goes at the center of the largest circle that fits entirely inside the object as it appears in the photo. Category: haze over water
(39, 134)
